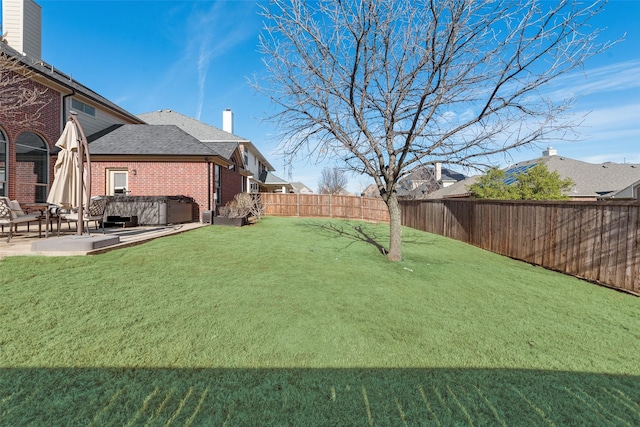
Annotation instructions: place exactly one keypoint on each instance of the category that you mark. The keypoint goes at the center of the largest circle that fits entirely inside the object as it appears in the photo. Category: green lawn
(303, 322)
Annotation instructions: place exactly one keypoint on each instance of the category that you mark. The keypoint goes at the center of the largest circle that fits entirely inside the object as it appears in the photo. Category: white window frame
(111, 187)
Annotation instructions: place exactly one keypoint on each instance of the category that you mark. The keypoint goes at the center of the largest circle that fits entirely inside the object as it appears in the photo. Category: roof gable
(156, 140)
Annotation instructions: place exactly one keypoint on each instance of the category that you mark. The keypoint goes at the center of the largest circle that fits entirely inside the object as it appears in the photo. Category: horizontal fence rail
(598, 241)
(325, 206)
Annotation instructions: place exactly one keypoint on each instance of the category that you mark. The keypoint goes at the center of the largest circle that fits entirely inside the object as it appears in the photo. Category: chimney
(227, 120)
(550, 151)
(438, 170)
(22, 21)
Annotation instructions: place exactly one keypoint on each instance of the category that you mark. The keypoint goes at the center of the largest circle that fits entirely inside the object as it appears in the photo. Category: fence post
(330, 205)
(298, 199)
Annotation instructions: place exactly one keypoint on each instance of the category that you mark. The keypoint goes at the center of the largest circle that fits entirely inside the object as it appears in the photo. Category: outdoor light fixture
(135, 172)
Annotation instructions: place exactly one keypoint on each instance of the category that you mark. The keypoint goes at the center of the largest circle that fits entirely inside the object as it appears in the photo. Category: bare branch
(21, 101)
(388, 86)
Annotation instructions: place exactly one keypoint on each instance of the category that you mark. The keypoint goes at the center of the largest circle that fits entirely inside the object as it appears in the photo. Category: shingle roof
(193, 127)
(268, 178)
(591, 180)
(202, 131)
(422, 181)
(157, 140)
(299, 187)
(457, 189)
(225, 149)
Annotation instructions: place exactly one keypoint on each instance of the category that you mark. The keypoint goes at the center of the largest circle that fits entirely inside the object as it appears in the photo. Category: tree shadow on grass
(318, 397)
(351, 231)
(366, 233)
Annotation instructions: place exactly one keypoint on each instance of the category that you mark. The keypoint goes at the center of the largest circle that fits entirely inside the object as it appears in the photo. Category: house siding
(22, 23)
(91, 124)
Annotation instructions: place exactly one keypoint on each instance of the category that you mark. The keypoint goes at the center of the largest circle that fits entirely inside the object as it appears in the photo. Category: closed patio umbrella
(64, 190)
(69, 174)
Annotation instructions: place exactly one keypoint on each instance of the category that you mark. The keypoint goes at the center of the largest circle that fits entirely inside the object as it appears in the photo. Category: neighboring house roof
(299, 187)
(591, 180)
(148, 140)
(371, 191)
(605, 180)
(268, 178)
(202, 131)
(630, 192)
(57, 77)
(459, 189)
(422, 181)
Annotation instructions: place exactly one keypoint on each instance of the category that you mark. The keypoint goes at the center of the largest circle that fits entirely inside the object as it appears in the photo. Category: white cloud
(620, 76)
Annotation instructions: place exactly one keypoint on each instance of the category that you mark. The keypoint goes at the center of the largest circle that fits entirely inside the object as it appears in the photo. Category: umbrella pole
(83, 151)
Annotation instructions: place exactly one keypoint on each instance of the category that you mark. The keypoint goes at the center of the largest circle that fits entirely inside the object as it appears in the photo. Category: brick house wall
(47, 126)
(167, 178)
(231, 184)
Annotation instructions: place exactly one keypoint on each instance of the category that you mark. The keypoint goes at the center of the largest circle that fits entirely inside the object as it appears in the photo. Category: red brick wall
(48, 128)
(171, 178)
(231, 184)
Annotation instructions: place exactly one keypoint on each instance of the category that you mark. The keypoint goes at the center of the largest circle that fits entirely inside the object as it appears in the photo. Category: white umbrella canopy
(64, 190)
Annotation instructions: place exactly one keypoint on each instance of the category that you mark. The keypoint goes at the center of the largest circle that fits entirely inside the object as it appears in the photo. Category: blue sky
(194, 57)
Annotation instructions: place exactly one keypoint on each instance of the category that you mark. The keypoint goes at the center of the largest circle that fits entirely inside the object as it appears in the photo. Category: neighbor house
(420, 182)
(300, 188)
(604, 181)
(425, 180)
(259, 176)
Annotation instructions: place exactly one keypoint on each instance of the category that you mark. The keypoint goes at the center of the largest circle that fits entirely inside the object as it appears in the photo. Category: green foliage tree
(537, 183)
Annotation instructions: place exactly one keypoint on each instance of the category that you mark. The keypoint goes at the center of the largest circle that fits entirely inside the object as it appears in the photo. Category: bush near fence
(325, 206)
(597, 241)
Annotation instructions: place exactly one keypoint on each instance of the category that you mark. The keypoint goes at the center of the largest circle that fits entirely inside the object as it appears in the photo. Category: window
(81, 106)
(217, 185)
(117, 182)
(32, 168)
(4, 190)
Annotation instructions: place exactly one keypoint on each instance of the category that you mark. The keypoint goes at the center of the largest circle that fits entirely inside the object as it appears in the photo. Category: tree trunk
(395, 225)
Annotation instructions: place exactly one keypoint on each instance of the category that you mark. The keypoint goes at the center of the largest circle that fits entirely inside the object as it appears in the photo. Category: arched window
(32, 168)
(4, 189)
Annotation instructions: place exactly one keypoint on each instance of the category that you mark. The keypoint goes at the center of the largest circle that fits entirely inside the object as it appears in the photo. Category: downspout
(208, 184)
(64, 107)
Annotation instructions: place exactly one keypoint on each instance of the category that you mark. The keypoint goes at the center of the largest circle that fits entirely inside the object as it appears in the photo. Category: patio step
(75, 243)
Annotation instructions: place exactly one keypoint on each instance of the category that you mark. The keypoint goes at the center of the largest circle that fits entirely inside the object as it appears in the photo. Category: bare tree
(391, 85)
(332, 181)
(21, 101)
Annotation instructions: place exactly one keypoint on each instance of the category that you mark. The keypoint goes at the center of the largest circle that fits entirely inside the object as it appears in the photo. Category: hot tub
(151, 210)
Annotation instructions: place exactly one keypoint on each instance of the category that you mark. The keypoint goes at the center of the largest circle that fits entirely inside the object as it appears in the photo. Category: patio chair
(11, 214)
(95, 213)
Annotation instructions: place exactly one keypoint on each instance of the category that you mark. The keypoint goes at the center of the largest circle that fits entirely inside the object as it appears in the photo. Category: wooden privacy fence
(325, 206)
(598, 241)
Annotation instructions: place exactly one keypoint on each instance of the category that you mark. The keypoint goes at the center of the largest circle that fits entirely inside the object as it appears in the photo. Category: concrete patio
(23, 240)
